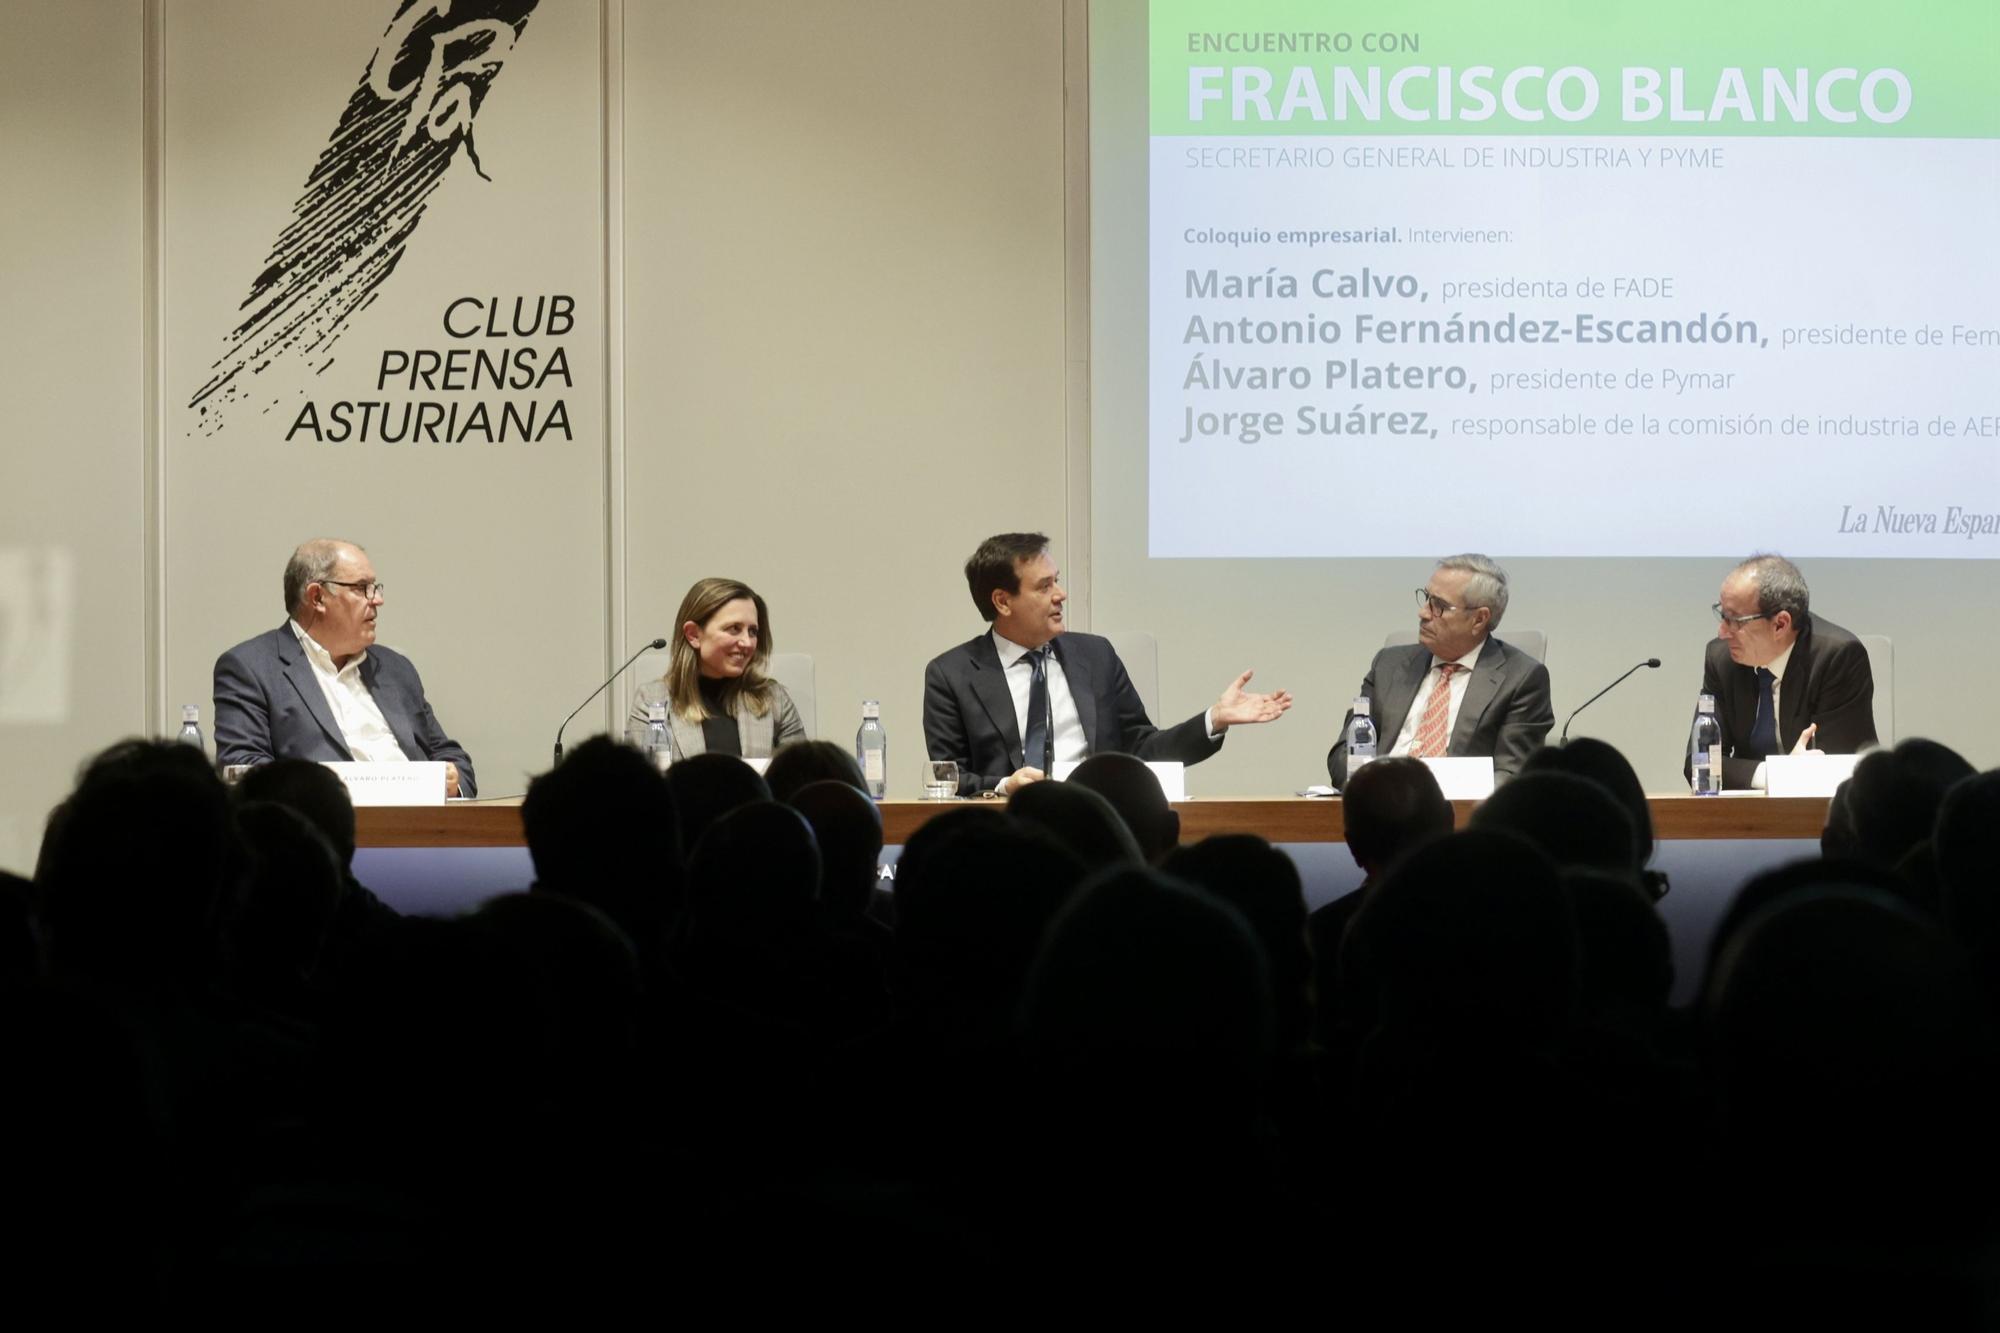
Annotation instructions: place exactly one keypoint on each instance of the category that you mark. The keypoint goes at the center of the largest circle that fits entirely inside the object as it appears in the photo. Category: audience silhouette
(710, 1038)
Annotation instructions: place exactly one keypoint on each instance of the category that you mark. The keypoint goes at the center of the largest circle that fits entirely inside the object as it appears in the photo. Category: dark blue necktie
(1764, 732)
(1035, 749)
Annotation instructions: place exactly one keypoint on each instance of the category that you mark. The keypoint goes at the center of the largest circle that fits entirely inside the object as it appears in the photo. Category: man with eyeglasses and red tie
(319, 687)
(1457, 692)
(1784, 679)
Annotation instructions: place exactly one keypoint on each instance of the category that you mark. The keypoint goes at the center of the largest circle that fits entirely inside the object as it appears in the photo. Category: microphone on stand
(1649, 662)
(657, 643)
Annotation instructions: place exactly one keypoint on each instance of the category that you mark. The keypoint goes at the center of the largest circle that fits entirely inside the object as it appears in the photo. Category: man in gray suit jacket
(1496, 698)
(1011, 702)
(318, 687)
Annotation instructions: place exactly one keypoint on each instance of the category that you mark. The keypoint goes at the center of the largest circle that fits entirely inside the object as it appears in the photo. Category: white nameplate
(1463, 779)
(392, 784)
(1171, 773)
(1810, 774)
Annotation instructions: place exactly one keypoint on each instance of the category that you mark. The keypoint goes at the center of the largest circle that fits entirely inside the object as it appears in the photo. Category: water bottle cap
(1361, 706)
(190, 712)
(656, 712)
(1705, 703)
(871, 708)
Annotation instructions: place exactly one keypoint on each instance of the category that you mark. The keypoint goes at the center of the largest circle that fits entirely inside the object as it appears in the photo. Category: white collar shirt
(1071, 745)
(1460, 679)
(354, 709)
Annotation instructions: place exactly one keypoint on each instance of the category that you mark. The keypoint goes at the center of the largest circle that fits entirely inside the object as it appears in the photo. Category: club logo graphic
(402, 129)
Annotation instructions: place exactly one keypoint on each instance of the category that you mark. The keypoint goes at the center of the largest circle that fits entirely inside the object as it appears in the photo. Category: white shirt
(1459, 680)
(354, 709)
(1071, 745)
(1760, 780)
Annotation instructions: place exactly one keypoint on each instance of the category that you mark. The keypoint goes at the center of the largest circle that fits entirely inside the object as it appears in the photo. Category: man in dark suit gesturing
(318, 686)
(1457, 691)
(1784, 679)
(1012, 702)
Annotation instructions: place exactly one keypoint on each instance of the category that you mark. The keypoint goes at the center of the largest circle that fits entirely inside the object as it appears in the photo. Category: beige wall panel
(72, 659)
(844, 286)
(494, 551)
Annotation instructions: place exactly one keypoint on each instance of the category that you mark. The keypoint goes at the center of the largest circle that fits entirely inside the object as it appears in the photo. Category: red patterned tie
(1434, 732)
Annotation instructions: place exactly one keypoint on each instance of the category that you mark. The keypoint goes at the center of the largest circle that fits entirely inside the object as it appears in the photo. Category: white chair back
(1140, 652)
(1882, 665)
(796, 673)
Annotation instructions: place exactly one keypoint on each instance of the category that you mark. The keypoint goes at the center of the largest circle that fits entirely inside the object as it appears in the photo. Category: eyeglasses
(1438, 605)
(1738, 621)
(370, 589)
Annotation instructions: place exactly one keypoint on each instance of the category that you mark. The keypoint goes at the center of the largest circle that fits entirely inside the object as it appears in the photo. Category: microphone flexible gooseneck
(643, 648)
(1649, 662)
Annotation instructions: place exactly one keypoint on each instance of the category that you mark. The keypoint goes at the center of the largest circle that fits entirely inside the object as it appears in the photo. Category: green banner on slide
(1793, 68)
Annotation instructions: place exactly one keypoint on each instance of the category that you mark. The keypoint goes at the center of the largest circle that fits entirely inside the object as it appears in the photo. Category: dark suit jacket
(1827, 681)
(269, 705)
(1506, 711)
(969, 711)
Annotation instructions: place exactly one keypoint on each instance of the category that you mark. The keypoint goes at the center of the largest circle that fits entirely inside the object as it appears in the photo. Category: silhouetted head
(794, 765)
(848, 827)
(1080, 819)
(1262, 884)
(1894, 795)
(1575, 822)
(1468, 938)
(755, 872)
(601, 828)
(974, 891)
(1763, 890)
(1625, 960)
(590, 974)
(134, 874)
(1146, 1019)
(313, 791)
(1967, 844)
(1599, 761)
(1390, 806)
(708, 786)
(1840, 1017)
(1135, 793)
(291, 887)
(1836, 837)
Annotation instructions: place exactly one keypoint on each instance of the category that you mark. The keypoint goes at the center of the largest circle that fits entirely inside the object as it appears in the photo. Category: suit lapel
(1400, 692)
(394, 712)
(300, 673)
(1792, 695)
(754, 735)
(1082, 693)
(688, 738)
(989, 686)
(1481, 688)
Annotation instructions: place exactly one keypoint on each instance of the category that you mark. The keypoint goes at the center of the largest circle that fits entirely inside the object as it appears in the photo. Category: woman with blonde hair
(718, 697)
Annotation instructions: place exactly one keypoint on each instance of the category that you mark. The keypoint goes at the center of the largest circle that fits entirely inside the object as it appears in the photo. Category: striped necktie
(1434, 731)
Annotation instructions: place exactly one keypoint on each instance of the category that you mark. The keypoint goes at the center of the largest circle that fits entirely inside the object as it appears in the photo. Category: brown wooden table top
(1276, 818)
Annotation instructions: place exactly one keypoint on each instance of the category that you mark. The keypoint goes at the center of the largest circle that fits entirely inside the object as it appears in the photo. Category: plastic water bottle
(191, 727)
(871, 748)
(659, 745)
(1360, 738)
(1705, 749)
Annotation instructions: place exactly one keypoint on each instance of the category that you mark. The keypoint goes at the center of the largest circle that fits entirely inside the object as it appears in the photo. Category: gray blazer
(1506, 711)
(269, 705)
(760, 737)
